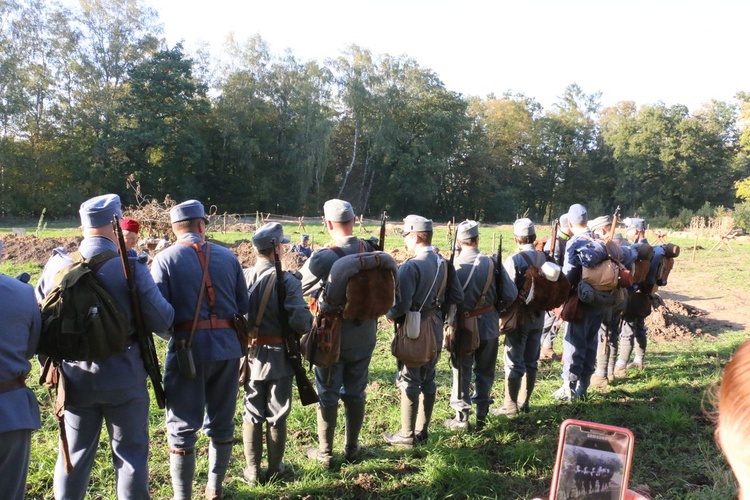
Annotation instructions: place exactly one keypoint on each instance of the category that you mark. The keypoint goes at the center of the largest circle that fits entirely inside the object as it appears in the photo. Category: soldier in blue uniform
(268, 379)
(204, 398)
(522, 345)
(19, 410)
(419, 280)
(551, 322)
(303, 248)
(580, 340)
(112, 389)
(347, 379)
(476, 274)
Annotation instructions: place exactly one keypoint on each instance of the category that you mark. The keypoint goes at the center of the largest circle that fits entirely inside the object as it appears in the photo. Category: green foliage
(742, 216)
(742, 189)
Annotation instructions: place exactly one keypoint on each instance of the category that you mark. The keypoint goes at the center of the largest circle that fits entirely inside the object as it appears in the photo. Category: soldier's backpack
(538, 291)
(80, 319)
(360, 286)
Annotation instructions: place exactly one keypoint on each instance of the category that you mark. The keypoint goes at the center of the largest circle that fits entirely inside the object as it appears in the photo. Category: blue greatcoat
(111, 389)
(415, 279)
(357, 337)
(178, 274)
(19, 410)
(581, 338)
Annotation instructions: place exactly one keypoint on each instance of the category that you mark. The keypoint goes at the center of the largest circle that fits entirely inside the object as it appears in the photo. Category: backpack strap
(97, 261)
(266, 295)
(206, 286)
(490, 275)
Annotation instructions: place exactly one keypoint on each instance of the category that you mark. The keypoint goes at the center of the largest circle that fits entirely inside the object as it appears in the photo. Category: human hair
(733, 420)
(471, 242)
(266, 252)
(186, 226)
(425, 237)
(526, 240)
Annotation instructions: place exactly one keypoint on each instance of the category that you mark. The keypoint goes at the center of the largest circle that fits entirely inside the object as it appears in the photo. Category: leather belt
(13, 384)
(205, 324)
(264, 340)
(479, 312)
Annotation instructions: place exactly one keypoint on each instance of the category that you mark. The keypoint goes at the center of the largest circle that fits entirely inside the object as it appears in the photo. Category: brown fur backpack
(539, 292)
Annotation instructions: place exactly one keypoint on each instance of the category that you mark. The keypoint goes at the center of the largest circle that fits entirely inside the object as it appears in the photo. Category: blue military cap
(524, 227)
(267, 233)
(416, 224)
(577, 214)
(336, 210)
(600, 222)
(305, 237)
(564, 221)
(635, 223)
(467, 230)
(100, 210)
(191, 209)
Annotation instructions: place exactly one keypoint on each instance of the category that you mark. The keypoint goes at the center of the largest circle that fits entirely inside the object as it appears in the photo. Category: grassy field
(666, 406)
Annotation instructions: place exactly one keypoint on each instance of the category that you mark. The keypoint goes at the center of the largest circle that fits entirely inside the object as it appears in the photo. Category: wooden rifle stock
(553, 239)
(307, 394)
(145, 338)
(615, 218)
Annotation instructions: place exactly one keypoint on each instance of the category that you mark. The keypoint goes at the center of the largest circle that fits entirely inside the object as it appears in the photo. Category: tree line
(91, 95)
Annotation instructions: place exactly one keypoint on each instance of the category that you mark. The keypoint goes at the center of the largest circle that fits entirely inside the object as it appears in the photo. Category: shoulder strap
(95, 262)
(490, 275)
(264, 299)
(206, 285)
(471, 273)
(338, 251)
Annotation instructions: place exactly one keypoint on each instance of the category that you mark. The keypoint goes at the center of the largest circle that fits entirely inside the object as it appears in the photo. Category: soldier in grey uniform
(551, 322)
(473, 270)
(522, 345)
(609, 331)
(206, 400)
(112, 389)
(268, 379)
(633, 333)
(419, 280)
(581, 337)
(19, 410)
(347, 379)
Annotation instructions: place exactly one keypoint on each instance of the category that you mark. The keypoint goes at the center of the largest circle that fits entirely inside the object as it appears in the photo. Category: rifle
(615, 218)
(145, 338)
(381, 241)
(307, 394)
(447, 311)
(553, 240)
(499, 271)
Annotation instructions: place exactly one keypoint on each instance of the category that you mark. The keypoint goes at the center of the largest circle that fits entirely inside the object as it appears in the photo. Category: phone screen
(594, 462)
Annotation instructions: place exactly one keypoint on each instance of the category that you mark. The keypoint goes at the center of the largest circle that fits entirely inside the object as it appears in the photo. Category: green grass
(664, 405)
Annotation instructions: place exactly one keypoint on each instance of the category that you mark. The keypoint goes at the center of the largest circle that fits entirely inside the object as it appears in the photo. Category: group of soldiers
(191, 296)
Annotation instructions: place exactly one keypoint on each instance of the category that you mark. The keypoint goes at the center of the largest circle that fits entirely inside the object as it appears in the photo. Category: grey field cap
(524, 227)
(564, 221)
(635, 223)
(577, 214)
(267, 234)
(600, 222)
(416, 224)
(191, 209)
(467, 230)
(100, 210)
(336, 210)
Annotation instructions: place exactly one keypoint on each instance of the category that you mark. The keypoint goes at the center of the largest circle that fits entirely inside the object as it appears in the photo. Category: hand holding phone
(593, 461)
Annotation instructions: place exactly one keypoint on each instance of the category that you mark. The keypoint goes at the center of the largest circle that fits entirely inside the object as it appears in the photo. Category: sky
(675, 52)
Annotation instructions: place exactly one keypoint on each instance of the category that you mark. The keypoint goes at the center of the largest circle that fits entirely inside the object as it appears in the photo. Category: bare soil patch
(29, 248)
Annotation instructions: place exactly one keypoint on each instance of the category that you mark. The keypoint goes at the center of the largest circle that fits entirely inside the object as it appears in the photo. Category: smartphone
(593, 461)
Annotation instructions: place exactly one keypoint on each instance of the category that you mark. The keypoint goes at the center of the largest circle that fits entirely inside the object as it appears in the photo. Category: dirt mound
(29, 248)
(673, 320)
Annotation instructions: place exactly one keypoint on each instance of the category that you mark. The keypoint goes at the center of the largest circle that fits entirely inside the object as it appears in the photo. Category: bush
(742, 216)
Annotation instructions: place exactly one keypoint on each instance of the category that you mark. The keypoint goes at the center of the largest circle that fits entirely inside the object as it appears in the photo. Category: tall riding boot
(182, 470)
(252, 440)
(405, 436)
(527, 388)
(275, 443)
(218, 463)
(424, 417)
(326, 430)
(510, 406)
(611, 361)
(583, 386)
(355, 415)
